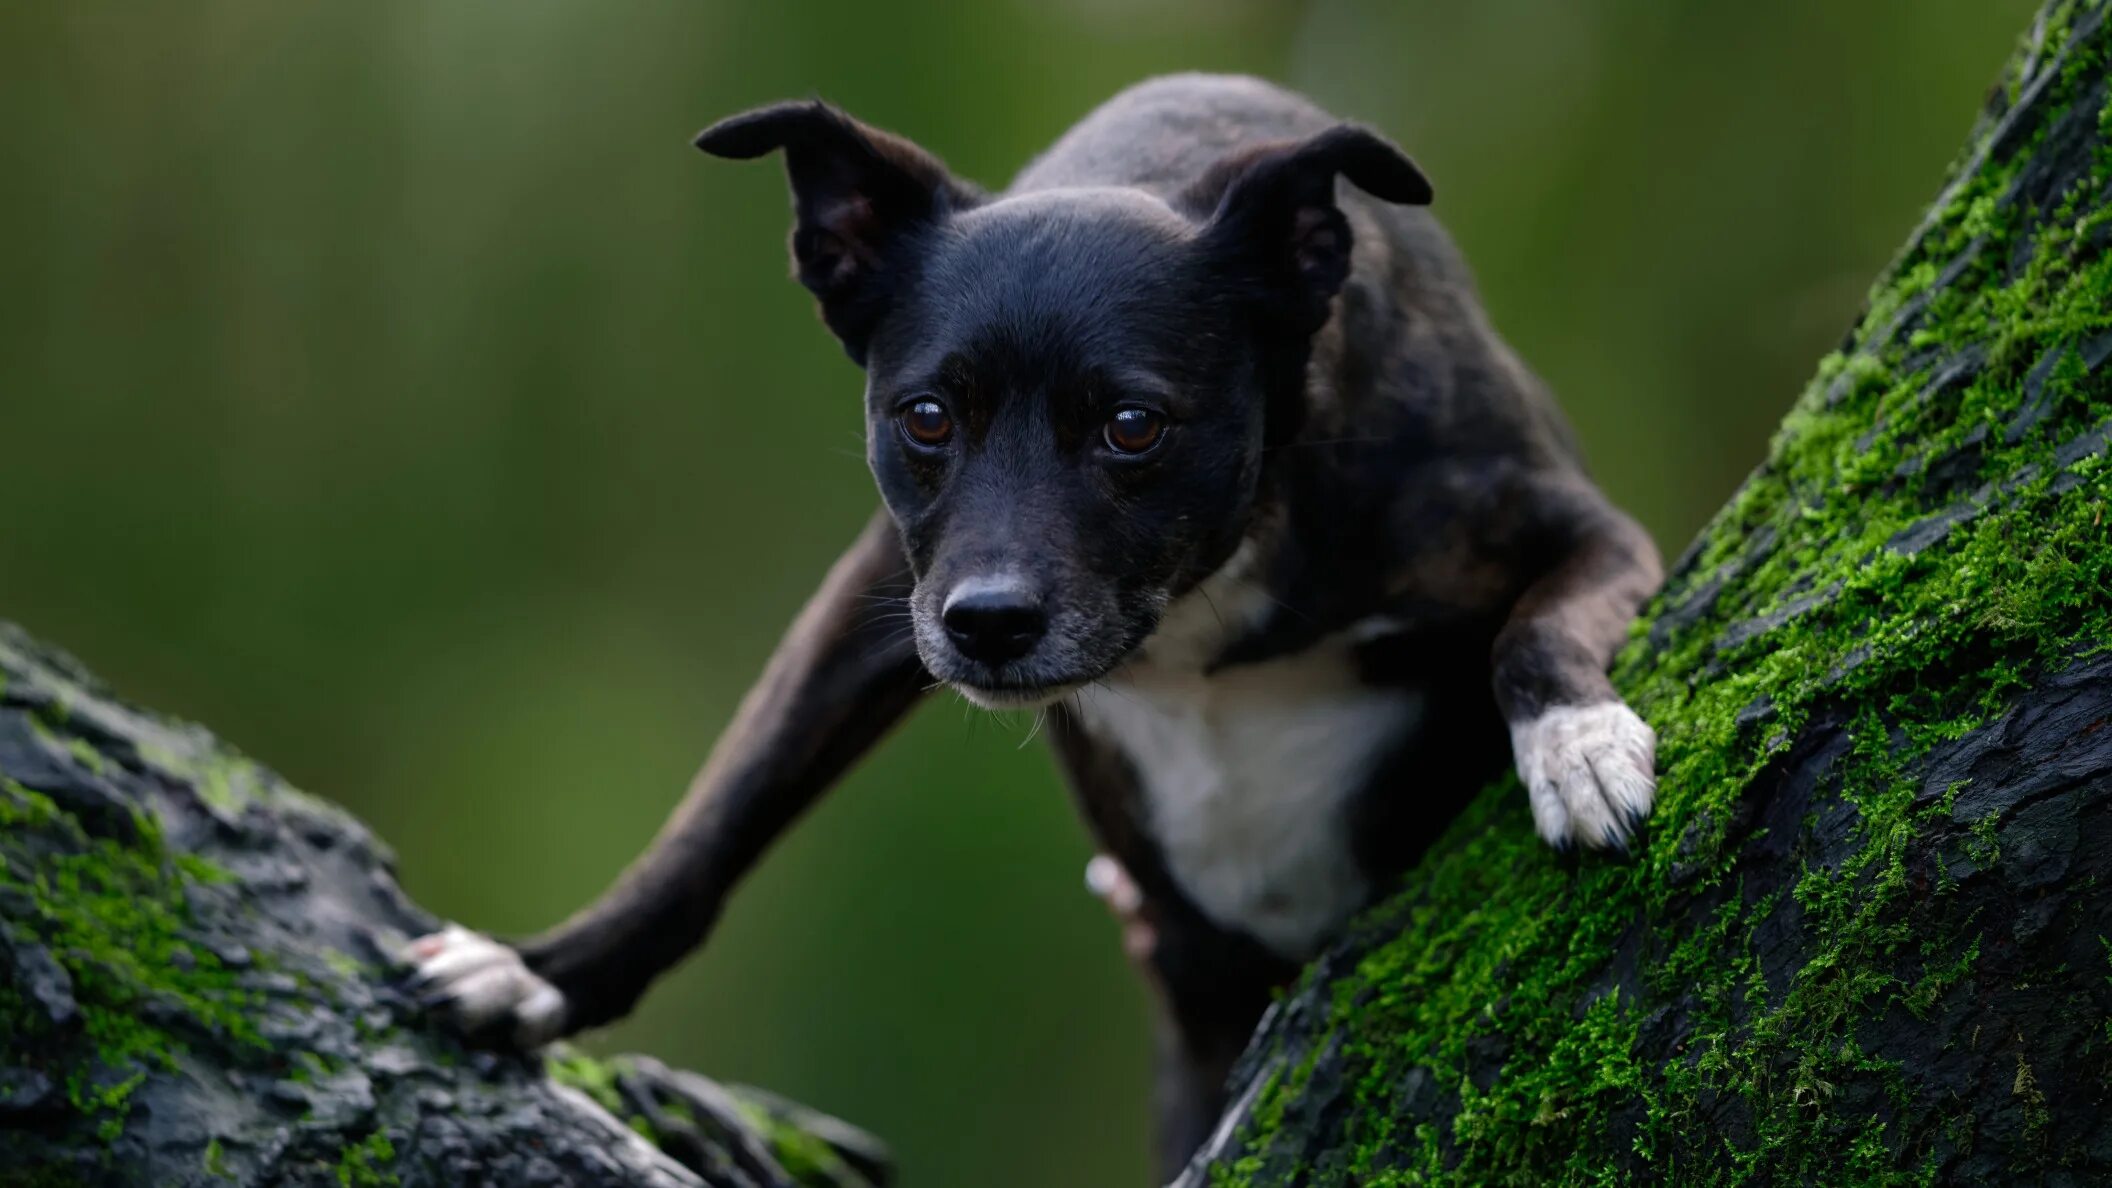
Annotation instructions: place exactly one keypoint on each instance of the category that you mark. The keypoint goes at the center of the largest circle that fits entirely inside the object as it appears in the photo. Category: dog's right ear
(860, 198)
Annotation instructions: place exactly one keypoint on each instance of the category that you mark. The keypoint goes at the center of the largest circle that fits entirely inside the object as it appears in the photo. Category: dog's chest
(1247, 776)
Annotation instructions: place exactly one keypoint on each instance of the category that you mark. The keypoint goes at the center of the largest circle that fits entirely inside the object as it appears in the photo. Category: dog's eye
(927, 422)
(1134, 430)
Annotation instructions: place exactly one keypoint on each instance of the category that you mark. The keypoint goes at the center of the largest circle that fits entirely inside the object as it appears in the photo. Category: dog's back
(1163, 133)
(1410, 355)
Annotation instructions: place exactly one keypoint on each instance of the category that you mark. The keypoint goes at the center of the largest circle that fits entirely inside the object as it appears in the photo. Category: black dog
(1196, 436)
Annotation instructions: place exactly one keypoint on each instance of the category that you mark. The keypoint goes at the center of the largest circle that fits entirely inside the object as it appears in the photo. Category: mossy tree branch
(196, 988)
(1866, 939)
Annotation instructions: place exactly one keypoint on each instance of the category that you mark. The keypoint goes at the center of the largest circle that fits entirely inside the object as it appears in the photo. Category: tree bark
(197, 987)
(1866, 937)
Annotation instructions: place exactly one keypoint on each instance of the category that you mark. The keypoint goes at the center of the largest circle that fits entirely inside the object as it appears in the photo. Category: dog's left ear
(860, 198)
(1273, 221)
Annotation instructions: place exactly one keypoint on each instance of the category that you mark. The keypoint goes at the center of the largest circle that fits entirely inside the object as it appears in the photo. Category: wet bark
(197, 987)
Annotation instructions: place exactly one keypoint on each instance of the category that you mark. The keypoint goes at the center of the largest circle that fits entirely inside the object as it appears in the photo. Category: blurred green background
(391, 387)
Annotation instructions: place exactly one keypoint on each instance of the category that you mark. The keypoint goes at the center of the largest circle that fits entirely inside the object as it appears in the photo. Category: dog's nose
(993, 622)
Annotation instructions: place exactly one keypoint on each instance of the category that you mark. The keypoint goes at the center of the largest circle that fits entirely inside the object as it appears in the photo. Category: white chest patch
(1247, 773)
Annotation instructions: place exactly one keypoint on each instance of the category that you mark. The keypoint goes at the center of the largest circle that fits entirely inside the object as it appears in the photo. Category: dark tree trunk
(195, 988)
(1868, 938)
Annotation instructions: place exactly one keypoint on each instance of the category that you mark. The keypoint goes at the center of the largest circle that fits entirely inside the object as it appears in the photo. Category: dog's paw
(484, 988)
(1110, 882)
(1590, 771)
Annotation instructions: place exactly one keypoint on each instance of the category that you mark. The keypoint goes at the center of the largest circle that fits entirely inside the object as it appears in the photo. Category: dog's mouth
(1016, 697)
(1011, 689)
(1070, 658)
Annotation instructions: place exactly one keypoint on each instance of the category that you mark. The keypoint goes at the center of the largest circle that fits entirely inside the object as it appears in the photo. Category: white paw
(1590, 771)
(1107, 879)
(481, 984)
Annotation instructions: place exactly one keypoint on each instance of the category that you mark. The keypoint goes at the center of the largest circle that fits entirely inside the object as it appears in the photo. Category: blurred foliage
(389, 386)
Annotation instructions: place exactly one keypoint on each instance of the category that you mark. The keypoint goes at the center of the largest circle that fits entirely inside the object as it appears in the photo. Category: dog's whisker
(891, 641)
(1040, 716)
(1212, 604)
(1254, 584)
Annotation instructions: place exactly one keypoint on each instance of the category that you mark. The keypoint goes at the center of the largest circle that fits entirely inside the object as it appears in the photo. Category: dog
(1197, 437)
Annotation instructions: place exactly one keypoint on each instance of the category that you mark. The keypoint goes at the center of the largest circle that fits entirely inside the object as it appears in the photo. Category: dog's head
(1069, 392)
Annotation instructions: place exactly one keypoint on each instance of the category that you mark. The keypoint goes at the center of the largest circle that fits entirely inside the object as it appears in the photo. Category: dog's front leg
(1588, 761)
(844, 673)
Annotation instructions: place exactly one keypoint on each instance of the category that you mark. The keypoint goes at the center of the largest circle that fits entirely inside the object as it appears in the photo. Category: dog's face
(1066, 425)
(1069, 392)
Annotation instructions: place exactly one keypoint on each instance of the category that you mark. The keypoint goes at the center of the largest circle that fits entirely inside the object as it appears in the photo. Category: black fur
(1032, 317)
(1263, 277)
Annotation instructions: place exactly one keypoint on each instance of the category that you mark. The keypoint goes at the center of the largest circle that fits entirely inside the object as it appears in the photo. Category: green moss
(228, 781)
(2106, 944)
(1499, 947)
(366, 1164)
(345, 965)
(1984, 847)
(596, 1078)
(114, 916)
(309, 1068)
(85, 754)
(202, 871)
(807, 1159)
(804, 1157)
(2025, 1088)
(216, 1160)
